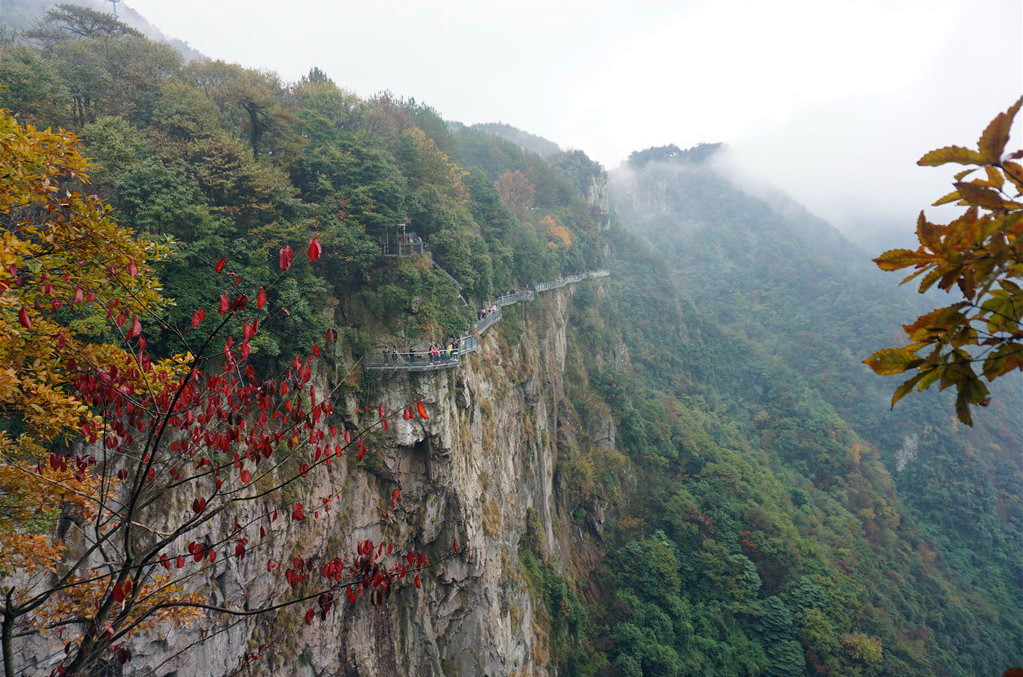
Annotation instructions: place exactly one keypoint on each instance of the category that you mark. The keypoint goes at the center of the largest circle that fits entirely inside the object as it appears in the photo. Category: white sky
(831, 100)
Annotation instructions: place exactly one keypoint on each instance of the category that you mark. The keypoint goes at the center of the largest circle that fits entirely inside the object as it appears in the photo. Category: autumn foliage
(980, 255)
(157, 468)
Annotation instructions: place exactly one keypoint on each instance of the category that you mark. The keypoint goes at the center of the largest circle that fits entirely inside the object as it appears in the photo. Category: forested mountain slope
(798, 295)
(678, 470)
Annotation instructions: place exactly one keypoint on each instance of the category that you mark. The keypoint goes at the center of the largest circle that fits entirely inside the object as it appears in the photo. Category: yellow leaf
(1003, 360)
(938, 320)
(963, 156)
(980, 196)
(904, 389)
(951, 197)
(996, 135)
(929, 234)
(1015, 173)
(896, 259)
(892, 361)
(994, 177)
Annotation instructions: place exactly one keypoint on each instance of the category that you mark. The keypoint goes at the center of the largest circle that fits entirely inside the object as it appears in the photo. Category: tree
(516, 192)
(979, 253)
(164, 467)
(113, 75)
(251, 101)
(31, 86)
(68, 21)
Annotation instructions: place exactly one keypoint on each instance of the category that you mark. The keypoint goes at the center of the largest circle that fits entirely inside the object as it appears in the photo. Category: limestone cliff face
(482, 470)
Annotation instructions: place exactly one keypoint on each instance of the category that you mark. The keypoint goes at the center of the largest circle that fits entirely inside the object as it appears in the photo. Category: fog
(831, 101)
(853, 160)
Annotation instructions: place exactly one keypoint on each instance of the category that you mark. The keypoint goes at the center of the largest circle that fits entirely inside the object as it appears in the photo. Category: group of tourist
(482, 313)
(435, 354)
(442, 353)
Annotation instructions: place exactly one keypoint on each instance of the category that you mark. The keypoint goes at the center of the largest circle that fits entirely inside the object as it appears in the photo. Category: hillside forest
(732, 492)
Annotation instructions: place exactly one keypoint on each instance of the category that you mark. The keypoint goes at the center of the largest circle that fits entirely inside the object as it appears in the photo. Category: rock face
(481, 470)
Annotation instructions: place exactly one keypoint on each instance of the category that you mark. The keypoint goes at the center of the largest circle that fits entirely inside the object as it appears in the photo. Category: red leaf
(79, 295)
(23, 318)
(314, 249)
(220, 265)
(331, 335)
(180, 561)
(380, 410)
(297, 513)
(285, 258)
(224, 304)
(422, 410)
(419, 583)
(165, 561)
(119, 593)
(261, 298)
(133, 270)
(246, 475)
(198, 505)
(396, 494)
(454, 546)
(123, 656)
(136, 328)
(309, 615)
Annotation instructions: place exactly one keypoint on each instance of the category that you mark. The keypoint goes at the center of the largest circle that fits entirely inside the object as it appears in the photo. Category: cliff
(482, 471)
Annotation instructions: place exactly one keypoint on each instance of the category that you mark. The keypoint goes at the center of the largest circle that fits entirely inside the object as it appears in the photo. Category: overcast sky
(832, 101)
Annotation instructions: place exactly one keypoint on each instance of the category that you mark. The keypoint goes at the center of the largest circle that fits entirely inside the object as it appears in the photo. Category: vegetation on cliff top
(767, 514)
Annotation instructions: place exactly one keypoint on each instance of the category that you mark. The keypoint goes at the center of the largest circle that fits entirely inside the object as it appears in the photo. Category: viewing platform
(400, 243)
(391, 360)
(421, 360)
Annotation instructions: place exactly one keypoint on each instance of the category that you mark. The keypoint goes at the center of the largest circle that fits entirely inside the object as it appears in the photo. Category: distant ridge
(524, 140)
(21, 15)
(696, 155)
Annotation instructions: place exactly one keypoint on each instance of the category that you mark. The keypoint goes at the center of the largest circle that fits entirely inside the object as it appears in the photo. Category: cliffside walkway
(388, 361)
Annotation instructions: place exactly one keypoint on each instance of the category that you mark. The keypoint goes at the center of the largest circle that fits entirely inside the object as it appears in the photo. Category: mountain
(22, 15)
(681, 468)
(793, 291)
(522, 139)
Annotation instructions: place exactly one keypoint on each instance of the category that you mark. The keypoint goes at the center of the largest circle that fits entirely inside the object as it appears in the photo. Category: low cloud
(853, 161)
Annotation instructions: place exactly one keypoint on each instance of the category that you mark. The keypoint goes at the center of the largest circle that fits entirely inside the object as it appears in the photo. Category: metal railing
(421, 360)
(516, 297)
(391, 247)
(489, 320)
